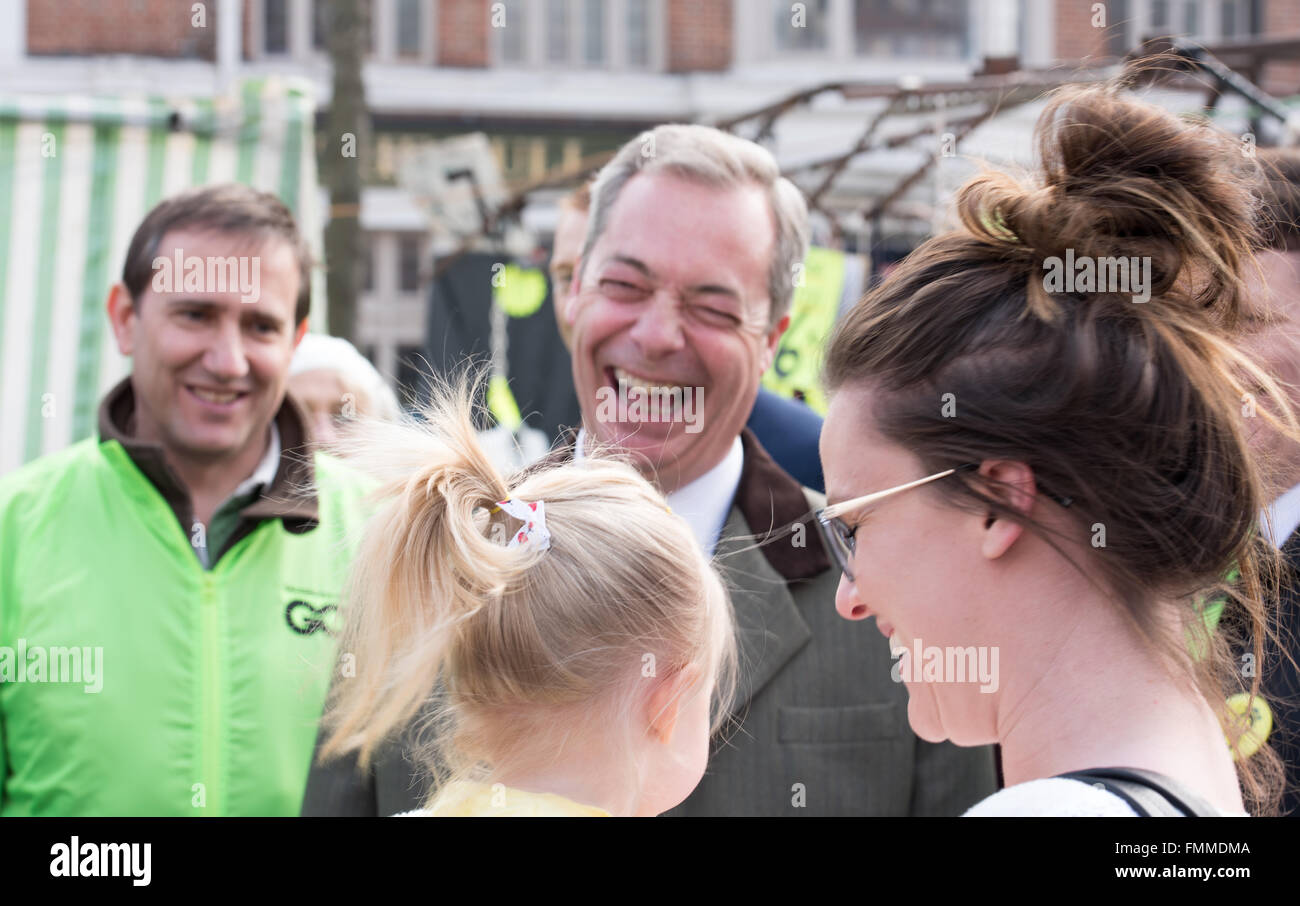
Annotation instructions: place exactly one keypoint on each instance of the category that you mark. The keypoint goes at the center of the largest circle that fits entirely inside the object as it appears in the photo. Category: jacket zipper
(210, 733)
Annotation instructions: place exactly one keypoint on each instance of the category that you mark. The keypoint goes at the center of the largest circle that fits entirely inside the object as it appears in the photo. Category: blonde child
(561, 635)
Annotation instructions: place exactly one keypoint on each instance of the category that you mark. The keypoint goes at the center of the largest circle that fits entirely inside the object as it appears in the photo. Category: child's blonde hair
(505, 639)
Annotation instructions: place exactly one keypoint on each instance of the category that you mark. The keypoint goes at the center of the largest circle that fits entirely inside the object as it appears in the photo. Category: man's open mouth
(648, 399)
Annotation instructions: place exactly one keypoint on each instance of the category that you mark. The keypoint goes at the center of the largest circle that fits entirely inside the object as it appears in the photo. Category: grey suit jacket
(820, 726)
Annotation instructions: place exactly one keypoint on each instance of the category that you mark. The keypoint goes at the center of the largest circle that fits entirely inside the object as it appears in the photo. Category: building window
(409, 263)
(593, 27)
(275, 26)
(799, 26)
(616, 34)
(557, 31)
(1227, 19)
(1191, 17)
(408, 28)
(638, 33)
(512, 31)
(1117, 22)
(1159, 13)
(368, 263)
(933, 29)
(1238, 19)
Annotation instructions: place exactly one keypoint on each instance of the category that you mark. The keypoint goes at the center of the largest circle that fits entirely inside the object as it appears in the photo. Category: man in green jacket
(168, 589)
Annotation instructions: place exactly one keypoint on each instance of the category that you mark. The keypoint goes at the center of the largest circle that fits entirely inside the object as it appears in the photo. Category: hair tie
(533, 533)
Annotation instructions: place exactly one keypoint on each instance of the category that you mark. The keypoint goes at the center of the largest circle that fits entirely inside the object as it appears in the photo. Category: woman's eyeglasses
(839, 535)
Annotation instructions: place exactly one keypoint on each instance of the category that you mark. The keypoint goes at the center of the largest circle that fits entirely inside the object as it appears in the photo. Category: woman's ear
(664, 703)
(1012, 483)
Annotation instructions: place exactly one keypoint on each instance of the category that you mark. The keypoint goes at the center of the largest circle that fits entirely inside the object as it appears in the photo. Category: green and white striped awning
(77, 175)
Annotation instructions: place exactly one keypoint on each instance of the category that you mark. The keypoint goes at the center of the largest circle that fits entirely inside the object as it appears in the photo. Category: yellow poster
(796, 370)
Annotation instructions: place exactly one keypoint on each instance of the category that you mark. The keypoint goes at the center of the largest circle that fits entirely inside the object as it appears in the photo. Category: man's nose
(847, 603)
(225, 354)
(658, 329)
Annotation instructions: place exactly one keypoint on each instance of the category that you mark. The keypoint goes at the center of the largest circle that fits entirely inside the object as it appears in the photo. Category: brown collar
(290, 497)
(771, 501)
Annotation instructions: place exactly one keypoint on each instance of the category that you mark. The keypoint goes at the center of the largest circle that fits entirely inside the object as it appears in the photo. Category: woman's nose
(847, 603)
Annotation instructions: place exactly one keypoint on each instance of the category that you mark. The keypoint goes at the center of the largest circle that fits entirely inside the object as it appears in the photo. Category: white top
(1058, 797)
(1052, 797)
(264, 474)
(705, 502)
(1285, 515)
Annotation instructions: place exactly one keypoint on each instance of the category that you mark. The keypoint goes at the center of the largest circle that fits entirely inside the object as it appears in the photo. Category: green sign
(796, 371)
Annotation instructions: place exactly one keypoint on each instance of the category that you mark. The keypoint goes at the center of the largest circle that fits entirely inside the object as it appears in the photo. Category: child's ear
(665, 701)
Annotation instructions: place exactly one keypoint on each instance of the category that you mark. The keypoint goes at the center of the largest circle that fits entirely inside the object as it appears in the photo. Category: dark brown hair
(1280, 186)
(1132, 409)
(231, 208)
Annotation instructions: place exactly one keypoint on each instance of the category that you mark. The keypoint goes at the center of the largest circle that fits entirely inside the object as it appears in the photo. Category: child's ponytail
(505, 649)
(423, 567)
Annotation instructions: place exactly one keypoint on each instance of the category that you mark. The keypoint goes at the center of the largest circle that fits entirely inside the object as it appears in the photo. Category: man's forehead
(677, 227)
(267, 260)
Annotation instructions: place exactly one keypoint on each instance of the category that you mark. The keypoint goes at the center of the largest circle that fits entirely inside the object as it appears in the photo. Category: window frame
(300, 39)
(614, 38)
(755, 42)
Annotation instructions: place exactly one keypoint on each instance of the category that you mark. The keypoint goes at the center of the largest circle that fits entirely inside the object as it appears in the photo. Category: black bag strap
(1149, 793)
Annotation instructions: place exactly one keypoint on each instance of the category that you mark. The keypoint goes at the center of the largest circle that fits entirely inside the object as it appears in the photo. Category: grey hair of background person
(319, 351)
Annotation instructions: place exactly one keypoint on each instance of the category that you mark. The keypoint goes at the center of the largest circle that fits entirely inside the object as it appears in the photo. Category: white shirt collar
(264, 474)
(1285, 516)
(705, 502)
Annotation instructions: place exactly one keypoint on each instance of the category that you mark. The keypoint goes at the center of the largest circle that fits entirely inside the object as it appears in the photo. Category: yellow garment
(478, 800)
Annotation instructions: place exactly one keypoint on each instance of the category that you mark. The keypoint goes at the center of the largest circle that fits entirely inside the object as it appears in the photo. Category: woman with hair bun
(1050, 470)
(569, 628)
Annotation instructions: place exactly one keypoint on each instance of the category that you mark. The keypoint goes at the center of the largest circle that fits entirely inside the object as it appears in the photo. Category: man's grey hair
(717, 159)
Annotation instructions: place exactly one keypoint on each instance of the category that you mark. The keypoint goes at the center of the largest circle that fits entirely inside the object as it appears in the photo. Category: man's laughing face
(675, 295)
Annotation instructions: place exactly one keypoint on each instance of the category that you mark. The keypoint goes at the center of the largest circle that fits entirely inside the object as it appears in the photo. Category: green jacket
(132, 680)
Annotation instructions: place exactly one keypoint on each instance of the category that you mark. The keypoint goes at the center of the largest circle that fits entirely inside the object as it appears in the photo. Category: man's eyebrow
(634, 263)
(263, 315)
(703, 289)
(714, 289)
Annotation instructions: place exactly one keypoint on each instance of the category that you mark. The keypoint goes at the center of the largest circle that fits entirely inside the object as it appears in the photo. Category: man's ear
(1011, 483)
(664, 703)
(121, 309)
(773, 340)
(299, 333)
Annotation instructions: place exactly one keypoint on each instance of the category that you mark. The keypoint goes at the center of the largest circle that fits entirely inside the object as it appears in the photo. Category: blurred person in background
(183, 566)
(1274, 336)
(334, 382)
(685, 282)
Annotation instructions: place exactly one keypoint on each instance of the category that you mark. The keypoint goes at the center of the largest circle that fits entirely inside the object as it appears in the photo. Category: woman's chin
(922, 719)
